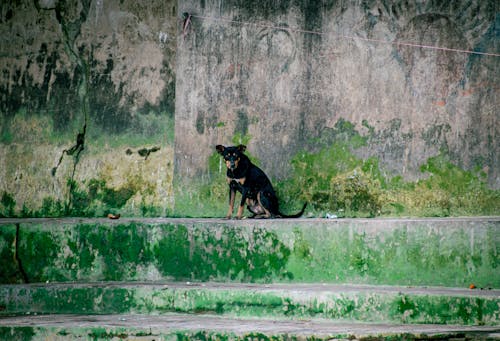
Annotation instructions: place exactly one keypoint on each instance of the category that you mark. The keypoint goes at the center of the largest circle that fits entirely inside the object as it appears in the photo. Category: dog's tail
(296, 215)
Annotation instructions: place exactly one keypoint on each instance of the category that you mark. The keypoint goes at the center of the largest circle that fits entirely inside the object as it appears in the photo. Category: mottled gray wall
(249, 68)
(118, 68)
(106, 65)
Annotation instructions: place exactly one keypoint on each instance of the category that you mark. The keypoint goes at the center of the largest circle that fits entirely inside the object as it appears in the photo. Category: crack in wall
(16, 255)
(77, 148)
(70, 31)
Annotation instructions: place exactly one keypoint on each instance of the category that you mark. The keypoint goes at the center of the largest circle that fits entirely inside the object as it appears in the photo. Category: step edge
(289, 287)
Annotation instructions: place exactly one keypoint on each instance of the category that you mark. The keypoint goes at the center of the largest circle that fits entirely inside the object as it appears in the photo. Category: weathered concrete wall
(98, 76)
(87, 99)
(432, 252)
(281, 74)
(274, 301)
(66, 327)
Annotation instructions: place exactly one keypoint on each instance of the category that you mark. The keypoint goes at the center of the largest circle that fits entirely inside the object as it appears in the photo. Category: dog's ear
(242, 148)
(220, 148)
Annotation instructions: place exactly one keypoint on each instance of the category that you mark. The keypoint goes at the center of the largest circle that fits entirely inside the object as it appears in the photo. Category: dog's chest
(238, 181)
(239, 176)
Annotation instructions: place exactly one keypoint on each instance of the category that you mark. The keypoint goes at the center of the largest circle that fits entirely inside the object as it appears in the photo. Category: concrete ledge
(434, 252)
(288, 301)
(182, 327)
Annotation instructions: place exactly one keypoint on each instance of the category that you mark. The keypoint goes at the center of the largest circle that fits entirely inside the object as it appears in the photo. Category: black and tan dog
(253, 184)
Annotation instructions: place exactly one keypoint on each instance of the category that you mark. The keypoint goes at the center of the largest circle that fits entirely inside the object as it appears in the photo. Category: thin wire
(398, 43)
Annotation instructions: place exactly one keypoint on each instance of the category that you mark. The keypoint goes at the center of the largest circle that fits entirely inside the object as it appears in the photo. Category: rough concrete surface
(361, 303)
(110, 78)
(169, 325)
(104, 70)
(425, 252)
(150, 309)
(279, 75)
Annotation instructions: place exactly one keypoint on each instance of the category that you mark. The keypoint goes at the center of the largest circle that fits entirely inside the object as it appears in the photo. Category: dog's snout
(232, 161)
(231, 164)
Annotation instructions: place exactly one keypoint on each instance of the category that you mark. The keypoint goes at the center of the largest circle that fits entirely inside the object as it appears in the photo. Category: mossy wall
(310, 84)
(347, 120)
(296, 302)
(337, 182)
(87, 107)
(433, 252)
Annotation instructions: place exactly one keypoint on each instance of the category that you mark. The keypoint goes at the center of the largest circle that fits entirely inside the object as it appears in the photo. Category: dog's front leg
(242, 204)
(232, 196)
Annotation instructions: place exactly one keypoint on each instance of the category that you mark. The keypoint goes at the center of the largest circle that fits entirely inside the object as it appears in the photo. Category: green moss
(10, 271)
(43, 126)
(204, 336)
(362, 259)
(46, 127)
(105, 334)
(118, 262)
(330, 177)
(8, 205)
(202, 198)
(118, 300)
(90, 199)
(184, 254)
(149, 210)
(354, 193)
(301, 247)
(50, 208)
(74, 300)
(80, 201)
(447, 191)
(344, 133)
(6, 136)
(141, 129)
(37, 251)
(17, 333)
(107, 252)
(405, 308)
(242, 123)
(172, 253)
(116, 198)
(334, 180)
(259, 336)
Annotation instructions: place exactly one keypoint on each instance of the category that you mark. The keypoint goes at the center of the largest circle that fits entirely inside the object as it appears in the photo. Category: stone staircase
(208, 279)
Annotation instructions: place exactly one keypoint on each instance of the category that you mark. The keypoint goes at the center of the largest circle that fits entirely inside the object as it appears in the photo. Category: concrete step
(362, 303)
(204, 327)
(453, 252)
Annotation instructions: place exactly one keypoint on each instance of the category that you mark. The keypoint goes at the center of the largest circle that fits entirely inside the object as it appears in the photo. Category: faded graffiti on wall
(285, 73)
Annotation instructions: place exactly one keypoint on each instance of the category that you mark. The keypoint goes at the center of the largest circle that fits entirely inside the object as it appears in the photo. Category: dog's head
(232, 155)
